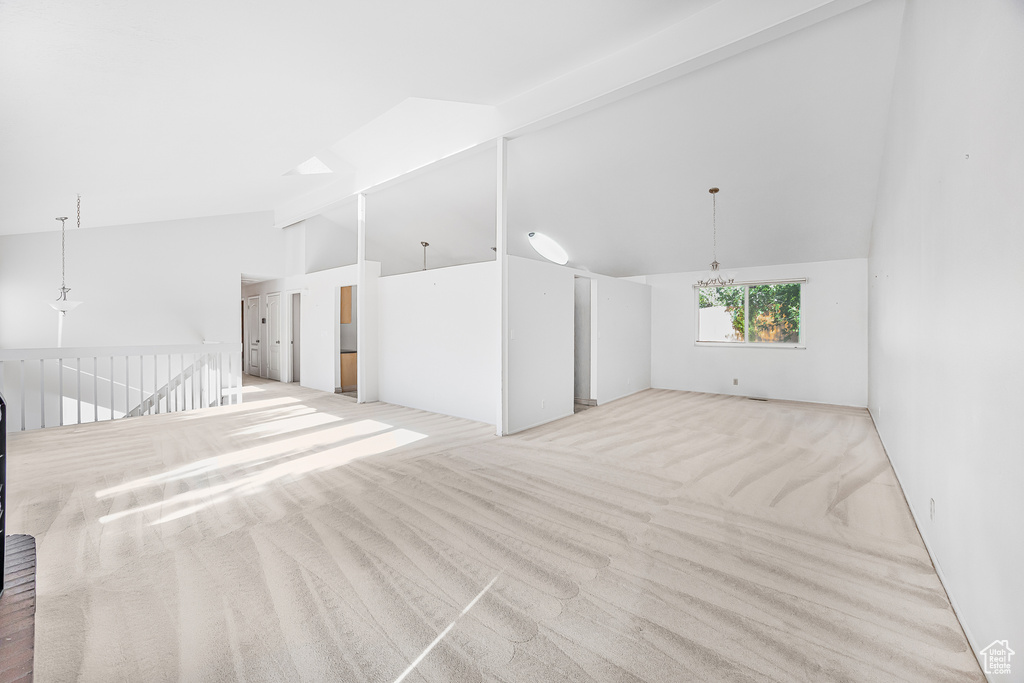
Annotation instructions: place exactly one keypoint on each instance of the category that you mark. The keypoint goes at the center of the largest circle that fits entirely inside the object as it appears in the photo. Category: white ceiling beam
(720, 31)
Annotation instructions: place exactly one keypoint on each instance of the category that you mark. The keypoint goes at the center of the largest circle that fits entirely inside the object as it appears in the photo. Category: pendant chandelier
(62, 305)
(714, 278)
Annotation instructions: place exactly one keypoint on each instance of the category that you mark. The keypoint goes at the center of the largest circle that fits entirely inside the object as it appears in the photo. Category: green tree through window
(768, 313)
(732, 299)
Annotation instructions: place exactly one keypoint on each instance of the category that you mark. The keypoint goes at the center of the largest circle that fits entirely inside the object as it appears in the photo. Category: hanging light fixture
(62, 305)
(714, 278)
(425, 245)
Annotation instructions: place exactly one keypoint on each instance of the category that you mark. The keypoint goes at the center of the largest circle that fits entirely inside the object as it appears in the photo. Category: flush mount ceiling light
(62, 305)
(714, 278)
(548, 248)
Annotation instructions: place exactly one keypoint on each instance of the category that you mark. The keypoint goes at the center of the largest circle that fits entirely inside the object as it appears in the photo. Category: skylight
(548, 248)
(310, 166)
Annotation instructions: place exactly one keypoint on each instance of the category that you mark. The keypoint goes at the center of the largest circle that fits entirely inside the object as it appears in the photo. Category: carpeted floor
(668, 536)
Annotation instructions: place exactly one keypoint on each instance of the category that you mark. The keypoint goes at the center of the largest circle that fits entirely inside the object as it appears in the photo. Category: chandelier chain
(715, 278)
(714, 226)
(62, 253)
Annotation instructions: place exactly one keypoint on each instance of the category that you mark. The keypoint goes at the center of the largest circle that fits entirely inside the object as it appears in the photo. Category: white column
(501, 249)
(366, 315)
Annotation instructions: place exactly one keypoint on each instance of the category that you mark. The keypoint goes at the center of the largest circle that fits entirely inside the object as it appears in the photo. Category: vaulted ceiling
(620, 115)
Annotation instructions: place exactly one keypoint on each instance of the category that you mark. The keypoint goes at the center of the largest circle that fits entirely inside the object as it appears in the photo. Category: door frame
(294, 350)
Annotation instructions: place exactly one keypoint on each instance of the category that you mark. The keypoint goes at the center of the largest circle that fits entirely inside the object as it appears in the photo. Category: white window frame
(802, 344)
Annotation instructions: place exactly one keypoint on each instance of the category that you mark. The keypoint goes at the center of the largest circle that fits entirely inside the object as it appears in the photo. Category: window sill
(749, 345)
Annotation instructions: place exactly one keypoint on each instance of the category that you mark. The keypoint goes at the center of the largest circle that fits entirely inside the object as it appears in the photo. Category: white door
(274, 336)
(296, 327)
(252, 322)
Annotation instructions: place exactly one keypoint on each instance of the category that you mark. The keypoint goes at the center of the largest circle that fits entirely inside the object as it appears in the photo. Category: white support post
(501, 253)
(367, 389)
(155, 402)
(142, 385)
(21, 366)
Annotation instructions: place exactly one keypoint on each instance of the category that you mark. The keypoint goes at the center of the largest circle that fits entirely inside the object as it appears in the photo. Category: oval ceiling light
(548, 248)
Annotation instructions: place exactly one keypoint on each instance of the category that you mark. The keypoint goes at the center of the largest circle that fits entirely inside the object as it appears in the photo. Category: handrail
(62, 386)
(104, 351)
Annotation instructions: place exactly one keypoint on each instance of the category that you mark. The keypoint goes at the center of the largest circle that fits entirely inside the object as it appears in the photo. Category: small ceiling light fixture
(425, 245)
(548, 248)
(62, 305)
(714, 278)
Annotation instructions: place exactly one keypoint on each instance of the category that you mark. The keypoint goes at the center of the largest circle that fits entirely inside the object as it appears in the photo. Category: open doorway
(348, 325)
(582, 380)
(294, 340)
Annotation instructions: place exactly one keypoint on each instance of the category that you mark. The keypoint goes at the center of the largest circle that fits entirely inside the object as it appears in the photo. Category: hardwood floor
(668, 536)
(18, 610)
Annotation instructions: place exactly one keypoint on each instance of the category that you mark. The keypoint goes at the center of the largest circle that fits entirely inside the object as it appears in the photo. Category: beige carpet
(668, 536)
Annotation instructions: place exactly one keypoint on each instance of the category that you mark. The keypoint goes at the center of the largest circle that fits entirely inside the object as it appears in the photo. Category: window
(755, 313)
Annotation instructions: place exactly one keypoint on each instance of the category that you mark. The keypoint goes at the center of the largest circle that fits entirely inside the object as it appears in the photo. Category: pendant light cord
(62, 254)
(63, 249)
(714, 226)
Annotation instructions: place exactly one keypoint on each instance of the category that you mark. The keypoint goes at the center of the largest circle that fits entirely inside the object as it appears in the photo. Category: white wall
(328, 244)
(437, 331)
(175, 282)
(540, 345)
(320, 333)
(945, 277)
(832, 369)
(622, 342)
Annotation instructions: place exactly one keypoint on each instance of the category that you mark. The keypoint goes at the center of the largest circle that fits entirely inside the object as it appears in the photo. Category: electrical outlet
(542, 404)
(735, 382)
(931, 508)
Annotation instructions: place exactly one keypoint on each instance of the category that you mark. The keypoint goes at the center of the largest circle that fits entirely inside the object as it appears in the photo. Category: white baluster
(22, 372)
(42, 394)
(78, 388)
